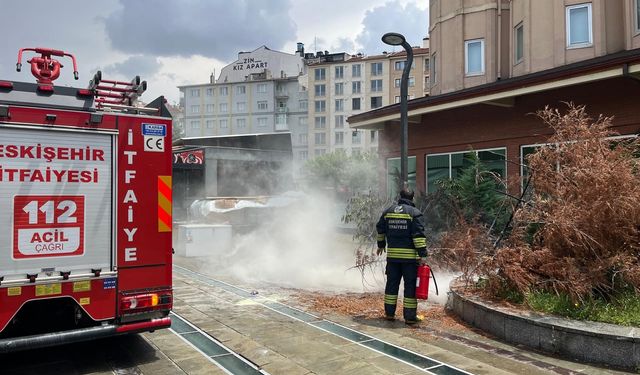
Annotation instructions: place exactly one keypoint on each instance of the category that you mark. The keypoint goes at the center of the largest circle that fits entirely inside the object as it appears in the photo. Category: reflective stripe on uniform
(380, 237)
(410, 303)
(420, 242)
(397, 216)
(390, 299)
(399, 253)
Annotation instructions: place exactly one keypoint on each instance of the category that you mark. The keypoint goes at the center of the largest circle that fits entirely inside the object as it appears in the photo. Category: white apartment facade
(256, 94)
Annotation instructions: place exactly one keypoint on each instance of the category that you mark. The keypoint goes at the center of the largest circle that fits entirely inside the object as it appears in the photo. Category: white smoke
(297, 246)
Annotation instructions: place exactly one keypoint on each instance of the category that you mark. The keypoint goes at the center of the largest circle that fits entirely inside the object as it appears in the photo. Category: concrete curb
(600, 343)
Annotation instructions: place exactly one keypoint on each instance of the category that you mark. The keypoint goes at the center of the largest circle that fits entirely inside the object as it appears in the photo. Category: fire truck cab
(85, 209)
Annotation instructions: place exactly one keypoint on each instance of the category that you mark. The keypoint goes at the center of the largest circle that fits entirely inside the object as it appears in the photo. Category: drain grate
(215, 351)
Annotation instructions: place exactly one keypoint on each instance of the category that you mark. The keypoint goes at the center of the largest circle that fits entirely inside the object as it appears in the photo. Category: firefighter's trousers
(396, 271)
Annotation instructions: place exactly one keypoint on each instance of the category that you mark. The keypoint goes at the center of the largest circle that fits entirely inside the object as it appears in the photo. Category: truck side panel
(144, 203)
(56, 209)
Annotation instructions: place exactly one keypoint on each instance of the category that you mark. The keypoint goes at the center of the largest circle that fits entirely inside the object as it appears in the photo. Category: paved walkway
(279, 344)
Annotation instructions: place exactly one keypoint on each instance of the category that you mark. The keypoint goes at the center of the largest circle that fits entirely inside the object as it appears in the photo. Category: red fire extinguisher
(422, 282)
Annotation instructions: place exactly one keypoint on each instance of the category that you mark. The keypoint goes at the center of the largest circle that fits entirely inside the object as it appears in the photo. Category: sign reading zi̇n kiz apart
(249, 63)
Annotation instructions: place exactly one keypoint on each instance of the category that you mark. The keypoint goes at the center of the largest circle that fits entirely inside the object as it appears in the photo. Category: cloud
(409, 20)
(140, 65)
(210, 28)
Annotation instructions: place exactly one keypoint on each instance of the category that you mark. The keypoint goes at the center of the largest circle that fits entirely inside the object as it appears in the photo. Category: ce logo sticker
(152, 143)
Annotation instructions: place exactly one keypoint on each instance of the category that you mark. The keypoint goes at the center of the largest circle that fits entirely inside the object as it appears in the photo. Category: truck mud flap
(55, 338)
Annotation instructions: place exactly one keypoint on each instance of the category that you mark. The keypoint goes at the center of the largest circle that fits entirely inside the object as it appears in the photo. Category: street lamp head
(393, 39)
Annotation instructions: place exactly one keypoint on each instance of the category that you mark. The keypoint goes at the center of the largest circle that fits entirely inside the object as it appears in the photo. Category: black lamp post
(395, 39)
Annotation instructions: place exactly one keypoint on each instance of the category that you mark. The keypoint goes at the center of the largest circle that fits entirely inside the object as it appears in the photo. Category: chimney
(425, 42)
(300, 49)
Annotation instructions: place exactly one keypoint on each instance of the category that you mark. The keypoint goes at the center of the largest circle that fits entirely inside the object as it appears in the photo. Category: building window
(320, 138)
(376, 102)
(320, 74)
(224, 91)
(320, 90)
(209, 108)
(393, 175)
(356, 70)
(374, 136)
(426, 65)
(241, 90)
(450, 165)
(195, 124)
(356, 151)
(320, 122)
(303, 139)
(433, 73)
(355, 104)
(339, 138)
(224, 123)
(519, 43)
(376, 69)
(223, 108)
(376, 85)
(303, 121)
(339, 105)
(262, 122)
(340, 88)
(356, 137)
(356, 87)
(209, 124)
(303, 155)
(339, 72)
(281, 121)
(579, 25)
(339, 121)
(241, 106)
(397, 99)
(319, 151)
(474, 57)
(241, 123)
(195, 109)
(397, 82)
(195, 93)
(262, 88)
(303, 105)
(320, 105)
(412, 81)
(399, 65)
(637, 15)
(210, 91)
(262, 105)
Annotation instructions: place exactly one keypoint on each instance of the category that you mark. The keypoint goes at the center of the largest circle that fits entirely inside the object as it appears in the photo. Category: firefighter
(401, 231)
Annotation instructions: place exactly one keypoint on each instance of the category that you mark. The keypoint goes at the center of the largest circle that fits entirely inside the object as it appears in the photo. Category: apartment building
(341, 86)
(309, 95)
(256, 94)
(495, 63)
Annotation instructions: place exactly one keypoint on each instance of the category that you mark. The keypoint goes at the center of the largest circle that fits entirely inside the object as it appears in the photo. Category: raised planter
(592, 342)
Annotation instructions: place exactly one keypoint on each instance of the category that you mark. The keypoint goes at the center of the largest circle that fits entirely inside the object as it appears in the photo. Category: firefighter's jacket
(401, 229)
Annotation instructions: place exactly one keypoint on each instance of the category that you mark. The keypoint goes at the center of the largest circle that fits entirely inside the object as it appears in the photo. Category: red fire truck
(85, 208)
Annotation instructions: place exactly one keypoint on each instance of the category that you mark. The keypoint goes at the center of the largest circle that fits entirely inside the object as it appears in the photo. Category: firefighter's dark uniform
(401, 229)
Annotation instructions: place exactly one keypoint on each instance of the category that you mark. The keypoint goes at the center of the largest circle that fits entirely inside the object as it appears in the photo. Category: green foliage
(343, 173)
(364, 210)
(478, 195)
(623, 308)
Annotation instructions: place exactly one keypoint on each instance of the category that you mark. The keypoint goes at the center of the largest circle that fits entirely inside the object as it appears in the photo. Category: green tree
(478, 195)
(343, 173)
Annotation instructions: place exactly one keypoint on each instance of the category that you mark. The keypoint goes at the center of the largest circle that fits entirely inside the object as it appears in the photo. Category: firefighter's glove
(380, 251)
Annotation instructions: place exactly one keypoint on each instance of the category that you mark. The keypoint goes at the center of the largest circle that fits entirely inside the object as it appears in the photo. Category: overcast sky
(175, 42)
